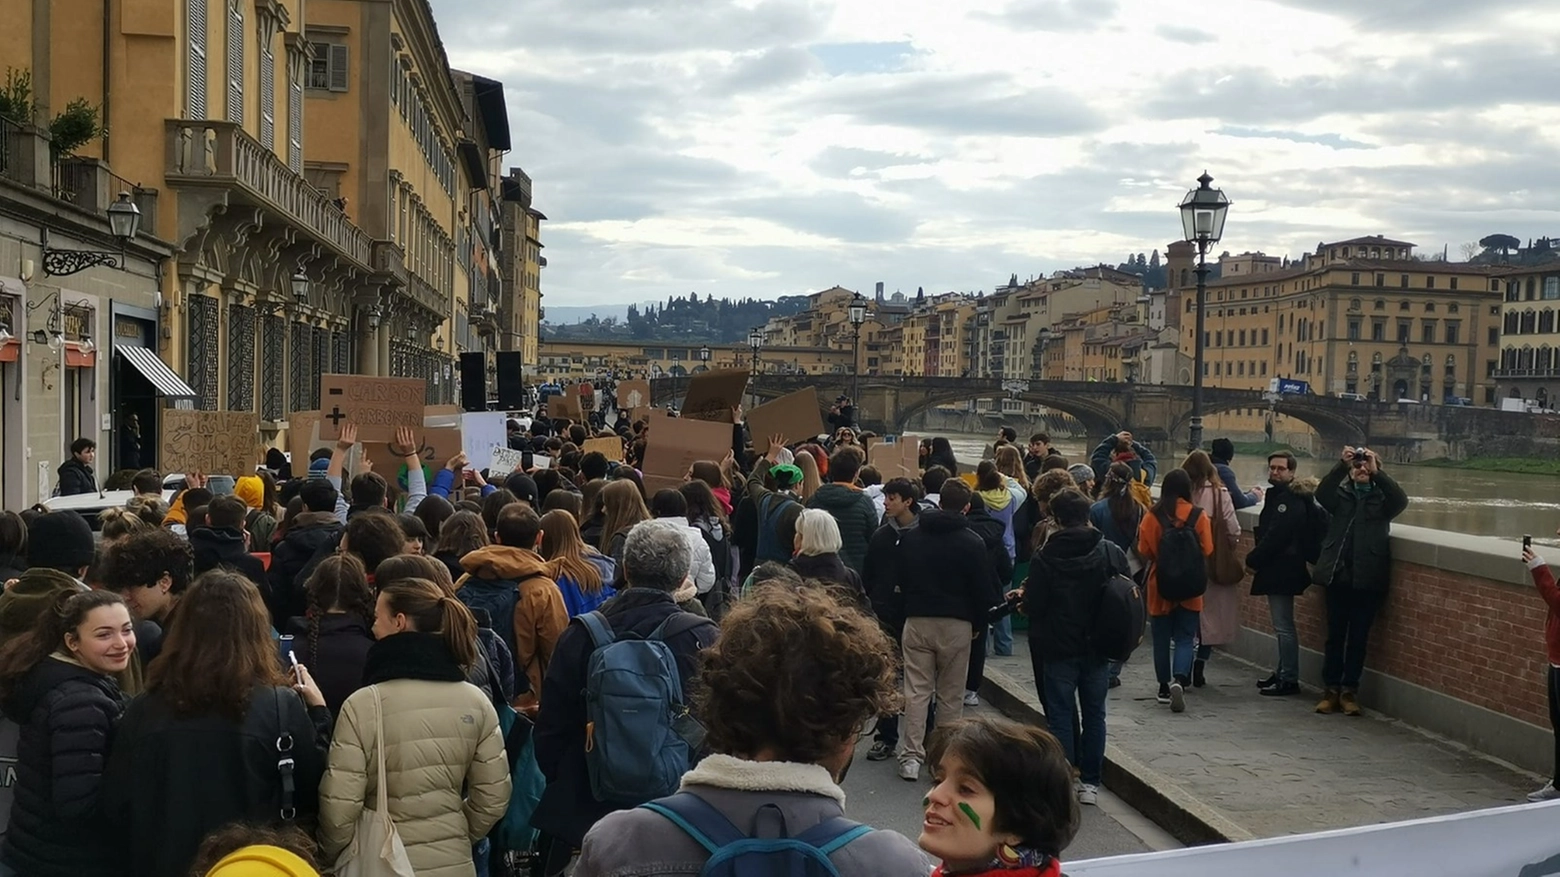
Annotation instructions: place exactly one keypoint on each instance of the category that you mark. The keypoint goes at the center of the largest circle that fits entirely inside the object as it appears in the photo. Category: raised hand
(349, 434)
(405, 442)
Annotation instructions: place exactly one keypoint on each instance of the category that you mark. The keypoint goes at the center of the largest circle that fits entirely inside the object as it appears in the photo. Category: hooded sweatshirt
(1064, 588)
(222, 547)
(514, 582)
(1002, 503)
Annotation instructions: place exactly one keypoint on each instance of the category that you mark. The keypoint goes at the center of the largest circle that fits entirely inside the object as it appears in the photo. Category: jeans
(1281, 607)
(1037, 663)
(481, 852)
(1350, 613)
(1554, 715)
(977, 670)
(1085, 679)
(1177, 629)
(1002, 637)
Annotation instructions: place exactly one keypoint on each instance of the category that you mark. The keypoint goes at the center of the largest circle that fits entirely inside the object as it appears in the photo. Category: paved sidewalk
(1246, 766)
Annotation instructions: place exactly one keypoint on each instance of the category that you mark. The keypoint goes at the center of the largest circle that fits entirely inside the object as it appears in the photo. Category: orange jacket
(1148, 547)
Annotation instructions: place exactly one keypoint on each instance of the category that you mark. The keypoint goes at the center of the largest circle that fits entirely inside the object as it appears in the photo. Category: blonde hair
(811, 481)
(118, 522)
(1009, 463)
(819, 533)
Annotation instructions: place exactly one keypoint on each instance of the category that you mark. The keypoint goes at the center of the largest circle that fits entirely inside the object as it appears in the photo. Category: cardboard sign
(303, 436)
(442, 416)
(376, 405)
(480, 431)
(712, 394)
(435, 447)
(504, 459)
(898, 459)
(797, 416)
(676, 443)
(611, 447)
(213, 442)
(633, 394)
(565, 407)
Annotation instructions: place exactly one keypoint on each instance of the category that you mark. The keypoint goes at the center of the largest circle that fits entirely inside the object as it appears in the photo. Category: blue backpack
(639, 737)
(770, 507)
(496, 598)
(734, 854)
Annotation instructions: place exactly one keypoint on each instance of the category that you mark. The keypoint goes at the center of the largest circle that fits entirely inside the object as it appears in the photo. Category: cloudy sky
(770, 147)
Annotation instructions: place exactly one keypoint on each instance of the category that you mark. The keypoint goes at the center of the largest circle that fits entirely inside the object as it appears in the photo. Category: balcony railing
(221, 153)
(1527, 373)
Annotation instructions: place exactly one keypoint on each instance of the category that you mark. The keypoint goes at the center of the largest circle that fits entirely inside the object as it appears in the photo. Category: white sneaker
(909, 770)
(1547, 793)
(1088, 794)
(971, 698)
(1177, 698)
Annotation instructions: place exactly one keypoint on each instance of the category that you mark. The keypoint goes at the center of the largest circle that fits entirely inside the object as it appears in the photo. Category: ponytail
(433, 609)
(63, 615)
(459, 630)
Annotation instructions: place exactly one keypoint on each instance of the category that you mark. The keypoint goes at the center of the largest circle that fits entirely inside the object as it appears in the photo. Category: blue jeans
(1087, 680)
(1178, 629)
(1281, 607)
(481, 851)
(1002, 636)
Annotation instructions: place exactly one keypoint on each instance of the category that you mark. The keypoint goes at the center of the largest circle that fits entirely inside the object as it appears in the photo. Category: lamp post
(1203, 212)
(124, 222)
(858, 315)
(676, 372)
(755, 341)
(704, 356)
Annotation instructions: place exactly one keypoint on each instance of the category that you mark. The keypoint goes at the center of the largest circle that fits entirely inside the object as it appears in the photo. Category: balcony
(1506, 373)
(27, 159)
(210, 154)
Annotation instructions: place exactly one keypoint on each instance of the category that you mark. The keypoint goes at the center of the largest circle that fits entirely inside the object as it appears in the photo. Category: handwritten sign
(435, 447)
(676, 443)
(632, 395)
(712, 394)
(214, 442)
(376, 405)
(504, 459)
(302, 438)
(612, 448)
(480, 431)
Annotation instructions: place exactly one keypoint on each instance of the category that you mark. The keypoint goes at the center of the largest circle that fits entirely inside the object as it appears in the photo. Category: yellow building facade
(564, 360)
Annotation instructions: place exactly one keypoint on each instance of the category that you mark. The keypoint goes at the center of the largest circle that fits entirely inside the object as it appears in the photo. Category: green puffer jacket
(853, 510)
(1367, 518)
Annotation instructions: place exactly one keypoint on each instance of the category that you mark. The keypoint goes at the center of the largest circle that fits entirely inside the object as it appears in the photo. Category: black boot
(1198, 680)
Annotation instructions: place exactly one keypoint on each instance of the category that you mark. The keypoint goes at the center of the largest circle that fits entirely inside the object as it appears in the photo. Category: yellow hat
(251, 490)
(262, 861)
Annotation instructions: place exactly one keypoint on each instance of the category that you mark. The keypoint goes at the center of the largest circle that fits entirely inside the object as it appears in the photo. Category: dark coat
(883, 573)
(1277, 561)
(1144, 467)
(568, 809)
(830, 568)
(1062, 596)
(172, 780)
(990, 530)
(76, 477)
(857, 518)
(292, 554)
(1358, 545)
(590, 531)
(226, 549)
(946, 570)
(11, 567)
(67, 714)
(336, 657)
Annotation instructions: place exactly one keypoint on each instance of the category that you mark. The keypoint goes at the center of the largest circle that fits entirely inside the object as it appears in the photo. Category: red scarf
(1031, 864)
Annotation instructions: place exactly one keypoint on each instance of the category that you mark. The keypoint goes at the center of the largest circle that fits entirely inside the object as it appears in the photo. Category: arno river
(1500, 504)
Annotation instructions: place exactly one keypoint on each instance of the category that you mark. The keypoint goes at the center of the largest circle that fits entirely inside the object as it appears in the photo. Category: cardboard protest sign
(796, 416)
(611, 447)
(303, 436)
(435, 447)
(213, 442)
(897, 459)
(676, 443)
(503, 458)
(565, 407)
(376, 405)
(712, 394)
(633, 394)
(480, 431)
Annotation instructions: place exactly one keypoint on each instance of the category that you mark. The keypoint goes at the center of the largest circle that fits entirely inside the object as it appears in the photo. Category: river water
(1503, 504)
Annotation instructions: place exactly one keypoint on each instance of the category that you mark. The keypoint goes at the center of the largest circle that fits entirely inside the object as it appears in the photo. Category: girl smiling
(1003, 802)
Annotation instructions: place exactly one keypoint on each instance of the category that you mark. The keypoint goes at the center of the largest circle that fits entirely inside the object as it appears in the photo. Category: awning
(155, 370)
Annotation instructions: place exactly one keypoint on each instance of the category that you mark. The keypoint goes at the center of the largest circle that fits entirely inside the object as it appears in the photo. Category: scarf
(1025, 862)
(411, 655)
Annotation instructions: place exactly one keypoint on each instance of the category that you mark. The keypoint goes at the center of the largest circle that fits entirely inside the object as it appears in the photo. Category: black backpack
(1316, 523)
(1180, 567)
(1119, 620)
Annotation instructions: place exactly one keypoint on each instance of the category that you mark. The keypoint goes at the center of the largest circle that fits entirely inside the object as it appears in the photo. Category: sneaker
(1163, 697)
(971, 698)
(1268, 682)
(1349, 702)
(1115, 682)
(1329, 703)
(909, 769)
(1547, 793)
(880, 751)
(1282, 689)
(1177, 698)
(1088, 794)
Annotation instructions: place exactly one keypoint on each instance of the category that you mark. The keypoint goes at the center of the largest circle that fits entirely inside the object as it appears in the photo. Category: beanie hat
(60, 540)
(1223, 449)
(262, 861)
(251, 490)
(318, 467)
(785, 475)
(1081, 473)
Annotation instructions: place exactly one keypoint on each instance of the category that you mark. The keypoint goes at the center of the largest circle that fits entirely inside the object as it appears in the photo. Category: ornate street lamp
(858, 315)
(1203, 212)
(300, 287)
(124, 222)
(755, 341)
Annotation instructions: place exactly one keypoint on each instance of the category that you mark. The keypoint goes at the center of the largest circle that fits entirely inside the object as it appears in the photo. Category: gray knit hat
(1081, 473)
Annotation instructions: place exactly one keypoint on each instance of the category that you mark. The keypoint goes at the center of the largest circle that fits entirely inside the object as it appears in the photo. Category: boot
(1350, 702)
(1331, 702)
(1198, 680)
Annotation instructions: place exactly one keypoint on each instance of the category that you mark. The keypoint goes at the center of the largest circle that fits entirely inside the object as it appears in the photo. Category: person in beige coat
(445, 768)
(1220, 617)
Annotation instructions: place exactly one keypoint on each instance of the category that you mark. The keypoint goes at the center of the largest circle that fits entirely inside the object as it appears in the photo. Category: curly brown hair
(795, 671)
(1026, 771)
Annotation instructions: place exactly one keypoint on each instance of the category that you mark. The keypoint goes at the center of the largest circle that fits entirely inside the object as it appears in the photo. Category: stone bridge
(1405, 432)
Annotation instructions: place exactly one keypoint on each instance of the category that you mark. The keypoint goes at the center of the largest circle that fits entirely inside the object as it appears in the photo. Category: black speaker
(473, 381)
(511, 383)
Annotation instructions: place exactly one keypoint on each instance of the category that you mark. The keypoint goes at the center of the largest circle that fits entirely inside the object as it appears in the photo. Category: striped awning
(155, 370)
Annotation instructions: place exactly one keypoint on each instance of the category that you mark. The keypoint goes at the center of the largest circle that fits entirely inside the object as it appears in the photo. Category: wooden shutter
(235, 61)
(339, 74)
(195, 66)
(295, 123)
(267, 90)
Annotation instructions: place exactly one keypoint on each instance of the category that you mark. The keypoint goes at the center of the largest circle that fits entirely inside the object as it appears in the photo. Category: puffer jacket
(446, 776)
(539, 615)
(575, 600)
(856, 515)
(68, 713)
(291, 555)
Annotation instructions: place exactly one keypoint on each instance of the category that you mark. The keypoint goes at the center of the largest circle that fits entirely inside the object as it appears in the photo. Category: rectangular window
(1453, 283)
(1452, 327)
(1403, 280)
(1427, 332)
(1264, 368)
(1381, 280)
(1354, 330)
(195, 72)
(295, 121)
(1494, 336)
(1430, 282)
(1552, 288)
(329, 70)
(1354, 279)
(1489, 368)
(1403, 330)
(267, 90)
(1378, 330)
(235, 61)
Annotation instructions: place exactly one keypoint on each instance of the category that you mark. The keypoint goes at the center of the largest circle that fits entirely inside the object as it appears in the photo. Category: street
(877, 796)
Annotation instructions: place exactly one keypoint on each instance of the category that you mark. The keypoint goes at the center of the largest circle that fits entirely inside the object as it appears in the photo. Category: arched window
(1544, 361)
(1381, 304)
(1512, 321)
(1526, 359)
(1546, 321)
(1508, 359)
(1183, 278)
(1529, 322)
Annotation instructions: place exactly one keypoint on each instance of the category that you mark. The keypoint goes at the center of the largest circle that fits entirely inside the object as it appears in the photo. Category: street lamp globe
(756, 338)
(704, 353)
(300, 286)
(1203, 211)
(858, 309)
(124, 218)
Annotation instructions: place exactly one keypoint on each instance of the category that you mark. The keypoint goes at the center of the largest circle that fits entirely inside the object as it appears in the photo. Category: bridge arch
(1098, 418)
(1333, 419)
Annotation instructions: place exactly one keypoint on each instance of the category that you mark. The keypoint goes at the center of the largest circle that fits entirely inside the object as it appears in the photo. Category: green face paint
(969, 811)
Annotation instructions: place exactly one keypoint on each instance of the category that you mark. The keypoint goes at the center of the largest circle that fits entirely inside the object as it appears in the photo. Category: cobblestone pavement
(1272, 766)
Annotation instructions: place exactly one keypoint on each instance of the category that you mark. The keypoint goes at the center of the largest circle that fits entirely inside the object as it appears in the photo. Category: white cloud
(768, 147)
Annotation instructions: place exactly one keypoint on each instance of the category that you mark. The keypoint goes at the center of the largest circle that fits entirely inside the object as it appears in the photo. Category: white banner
(480, 431)
(1506, 842)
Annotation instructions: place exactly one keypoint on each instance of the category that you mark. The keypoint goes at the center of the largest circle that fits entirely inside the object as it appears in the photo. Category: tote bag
(376, 849)
(1224, 567)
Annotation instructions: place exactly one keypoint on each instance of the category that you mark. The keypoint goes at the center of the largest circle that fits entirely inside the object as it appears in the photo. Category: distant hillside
(566, 315)
(689, 318)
